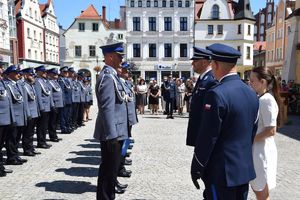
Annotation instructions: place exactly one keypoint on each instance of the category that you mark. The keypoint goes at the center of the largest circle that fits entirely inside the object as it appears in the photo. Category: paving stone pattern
(161, 165)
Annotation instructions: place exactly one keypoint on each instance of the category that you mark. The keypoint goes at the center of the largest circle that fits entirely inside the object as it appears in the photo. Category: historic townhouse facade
(30, 30)
(51, 34)
(229, 23)
(264, 20)
(160, 37)
(276, 37)
(86, 34)
(5, 54)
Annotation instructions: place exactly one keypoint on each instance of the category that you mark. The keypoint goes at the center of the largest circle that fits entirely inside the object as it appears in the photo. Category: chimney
(104, 13)
(117, 23)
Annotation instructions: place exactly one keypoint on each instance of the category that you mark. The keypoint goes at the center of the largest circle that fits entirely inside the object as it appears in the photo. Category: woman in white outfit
(265, 84)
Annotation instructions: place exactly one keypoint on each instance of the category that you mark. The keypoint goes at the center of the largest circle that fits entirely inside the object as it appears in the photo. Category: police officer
(7, 119)
(169, 96)
(75, 97)
(201, 65)
(57, 95)
(45, 102)
(66, 87)
(83, 92)
(112, 120)
(30, 97)
(223, 151)
(21, 113)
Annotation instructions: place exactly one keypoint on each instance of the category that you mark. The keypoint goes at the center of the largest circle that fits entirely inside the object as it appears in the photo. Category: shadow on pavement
(80, 171)
(91, 140)
(292, 130)
(90, 146)
(85, 160)
(72, 187)
(86, 153)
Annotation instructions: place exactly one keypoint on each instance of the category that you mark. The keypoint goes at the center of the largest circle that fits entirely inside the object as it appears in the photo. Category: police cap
(40, 68)
(224, 53)
(200, 53)
(12, 68)
(115, 47)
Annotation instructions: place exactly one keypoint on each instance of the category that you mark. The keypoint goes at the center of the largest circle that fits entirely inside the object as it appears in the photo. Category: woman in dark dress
(189, 87)
(154, 97)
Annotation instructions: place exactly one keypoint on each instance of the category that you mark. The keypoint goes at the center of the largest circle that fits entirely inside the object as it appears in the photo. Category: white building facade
(216, 22)
(30, 30)
(4, 34)
(51, 34)
(84, 37)
(160, 37)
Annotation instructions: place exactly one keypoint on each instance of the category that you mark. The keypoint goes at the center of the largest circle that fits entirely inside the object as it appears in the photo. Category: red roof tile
(90, 13)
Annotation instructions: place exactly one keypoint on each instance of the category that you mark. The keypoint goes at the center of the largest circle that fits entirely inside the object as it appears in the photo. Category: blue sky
(67, 10)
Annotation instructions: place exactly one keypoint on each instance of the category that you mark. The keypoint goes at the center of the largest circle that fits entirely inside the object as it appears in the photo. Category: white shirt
(230, 74)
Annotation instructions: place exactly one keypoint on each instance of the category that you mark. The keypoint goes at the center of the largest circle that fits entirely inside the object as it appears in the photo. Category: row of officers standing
(42, 99)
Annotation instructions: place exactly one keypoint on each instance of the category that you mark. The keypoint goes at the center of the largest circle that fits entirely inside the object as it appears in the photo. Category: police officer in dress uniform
(169, 96)
(75, 97)
(83, 92)
(223, 151)
(201, 65)
(45, 102)
(30, 97)
(66, 87)
(7, 119)
(21, 113)
(57, 95)
(112, 120)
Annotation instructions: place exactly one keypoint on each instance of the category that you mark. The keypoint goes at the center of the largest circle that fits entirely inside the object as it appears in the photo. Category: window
(131, 3)
(137, 50)
(220, 29)
(35, 55)
(152, 23)
(187, 4)
(249, 29)
(168, 50)
(210, 29)
(34, 35)
(183, 50)
(180, 4)
(81, 26)
(152, 50)
(136, 24)
(28, 32)
(155, 3)
(171, 4)
(29, 53)
(140, 3)
(183, 23)
(41, 37)
(120, 36)
(95, 27)
(248, 53)
(168, 24)
(239, 48)
(215, 12)
(92, 51)
(148, 4)
(35, 15)
(239, 29)
(164, 3)
(77, 51)
(30, 12)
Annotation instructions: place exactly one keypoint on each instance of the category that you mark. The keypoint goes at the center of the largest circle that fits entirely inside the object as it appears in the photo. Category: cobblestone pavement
(161, 164)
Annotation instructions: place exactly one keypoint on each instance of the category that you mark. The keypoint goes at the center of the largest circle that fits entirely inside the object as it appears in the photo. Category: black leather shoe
(29, 153)
(54, 140)
(131, 140)
(14, 162)
(124, 174)
(21, 159)
(119, 190)
(128, 154)
(36, 152)
(130, 146)
(128, 162)
(43, 146)
(171, 117)
(2, 173)
(122, 186)
(8, 171)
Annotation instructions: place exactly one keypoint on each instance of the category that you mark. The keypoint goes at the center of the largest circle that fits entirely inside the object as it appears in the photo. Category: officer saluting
(112, 120)
(223, 151)
(201, 65)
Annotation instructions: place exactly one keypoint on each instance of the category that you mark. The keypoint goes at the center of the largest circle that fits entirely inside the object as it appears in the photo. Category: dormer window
(215, 12)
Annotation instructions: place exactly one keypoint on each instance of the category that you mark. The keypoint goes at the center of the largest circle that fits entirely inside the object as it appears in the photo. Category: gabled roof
(89, 13)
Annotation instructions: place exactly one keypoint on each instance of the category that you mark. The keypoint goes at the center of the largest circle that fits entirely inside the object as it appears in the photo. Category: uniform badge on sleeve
(207, 107)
